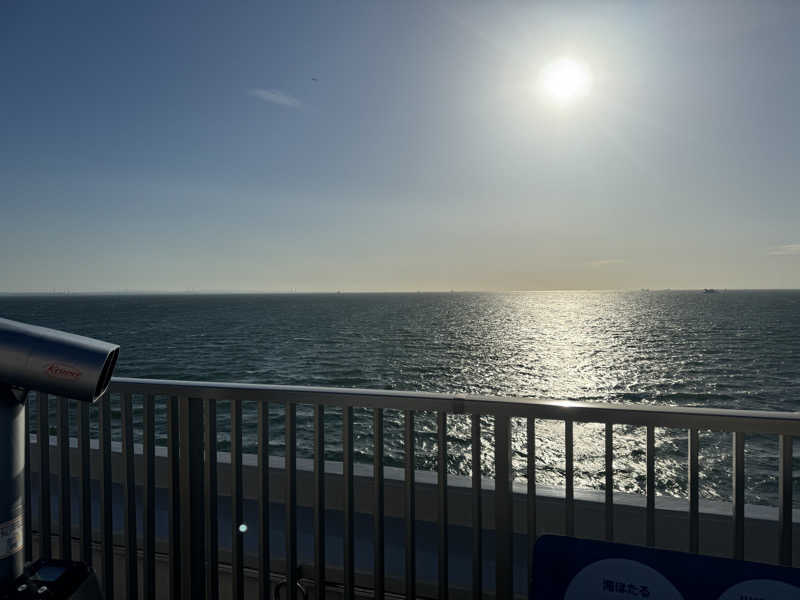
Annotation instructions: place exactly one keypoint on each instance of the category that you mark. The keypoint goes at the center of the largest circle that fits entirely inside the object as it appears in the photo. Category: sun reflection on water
(606, 348)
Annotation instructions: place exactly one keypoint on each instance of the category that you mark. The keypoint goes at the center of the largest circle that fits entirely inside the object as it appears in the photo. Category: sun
(565, 81)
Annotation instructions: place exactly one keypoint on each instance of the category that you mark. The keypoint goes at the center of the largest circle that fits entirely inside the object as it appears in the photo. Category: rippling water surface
(734, 349)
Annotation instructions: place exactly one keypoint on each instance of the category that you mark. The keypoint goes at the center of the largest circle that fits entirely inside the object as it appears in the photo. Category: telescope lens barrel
(59, 363)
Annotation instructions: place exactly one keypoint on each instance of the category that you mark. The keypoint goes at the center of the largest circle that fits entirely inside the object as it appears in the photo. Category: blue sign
(572, 569)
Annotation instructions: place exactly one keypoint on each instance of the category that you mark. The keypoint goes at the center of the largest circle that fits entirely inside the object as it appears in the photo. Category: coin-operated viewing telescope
(53, 362)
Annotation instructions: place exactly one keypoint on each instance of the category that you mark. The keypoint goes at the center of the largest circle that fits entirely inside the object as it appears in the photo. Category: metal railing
(193, 536)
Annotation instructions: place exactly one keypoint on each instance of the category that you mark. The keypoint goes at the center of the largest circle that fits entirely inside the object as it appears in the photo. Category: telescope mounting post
(12, 485)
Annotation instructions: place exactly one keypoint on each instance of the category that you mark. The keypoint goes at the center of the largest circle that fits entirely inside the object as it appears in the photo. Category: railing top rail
(750, 421)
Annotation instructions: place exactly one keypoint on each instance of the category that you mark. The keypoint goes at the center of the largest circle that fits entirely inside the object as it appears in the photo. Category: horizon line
(342, 292)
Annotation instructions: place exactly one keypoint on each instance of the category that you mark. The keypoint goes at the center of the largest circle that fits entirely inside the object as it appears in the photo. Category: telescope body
(52, 362)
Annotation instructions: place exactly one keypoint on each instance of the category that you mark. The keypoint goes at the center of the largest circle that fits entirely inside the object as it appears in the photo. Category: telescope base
(56, 580)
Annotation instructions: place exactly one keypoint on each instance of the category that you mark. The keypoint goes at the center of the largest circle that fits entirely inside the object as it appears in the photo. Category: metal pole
(12, 486)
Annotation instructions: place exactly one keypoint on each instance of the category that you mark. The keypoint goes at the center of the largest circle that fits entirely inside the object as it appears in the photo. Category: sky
(388, 146)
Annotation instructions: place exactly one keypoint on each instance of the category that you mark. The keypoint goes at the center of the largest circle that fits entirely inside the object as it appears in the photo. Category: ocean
(732, 349)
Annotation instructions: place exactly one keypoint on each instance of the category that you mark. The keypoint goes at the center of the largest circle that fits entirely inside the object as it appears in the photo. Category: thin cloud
(606, 261)
(786, 250)
(276, 97)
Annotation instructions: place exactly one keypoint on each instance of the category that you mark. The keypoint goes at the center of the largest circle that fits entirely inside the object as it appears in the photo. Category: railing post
(650, 459)
(263, 500)
(694, 491)
(785, 500)
(174, 510)
(86, 490)
(531, 496)
(609, 482)
(106, 497)
(319, 500)
(443, 524)
(291, 500)
(191, 499)
(149, 520)
(28, 514)
(569, 479)
(503, 507)
(212, 528)
(65, 492)
(349, 497)
(45, 542)
(129, 498)
(237, 543)
(738, 495)
(377, 474)
(477, 513)
(410, 507)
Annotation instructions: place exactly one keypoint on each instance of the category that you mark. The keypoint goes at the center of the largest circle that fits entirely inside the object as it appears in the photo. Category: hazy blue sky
(190, 147)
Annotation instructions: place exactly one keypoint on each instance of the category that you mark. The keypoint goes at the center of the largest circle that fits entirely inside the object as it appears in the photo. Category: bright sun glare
(565, 81)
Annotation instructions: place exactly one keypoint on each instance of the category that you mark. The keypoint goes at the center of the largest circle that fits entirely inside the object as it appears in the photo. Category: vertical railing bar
(149, 437)
(212, 529)
(349, 524)
(694, 492)
(28, 517)
(129, 492)
(45, 549)
(650, 487)
(738, 495)
(85, 489)
(410, 508)
(192, 520)
(65, 493)
(531, 499)
(477, 513)
(377, 474)
(291, 500)
(785, 500)
(569, 483)
(503, 507)
(173, 436)
(443, 517)
(193, 557)
(237, 546)
(609, 457)
(319, 500)
(263, 500)
(106, 496)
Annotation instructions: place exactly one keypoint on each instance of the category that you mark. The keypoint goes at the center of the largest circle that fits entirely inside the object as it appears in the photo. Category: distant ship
(709, 291)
